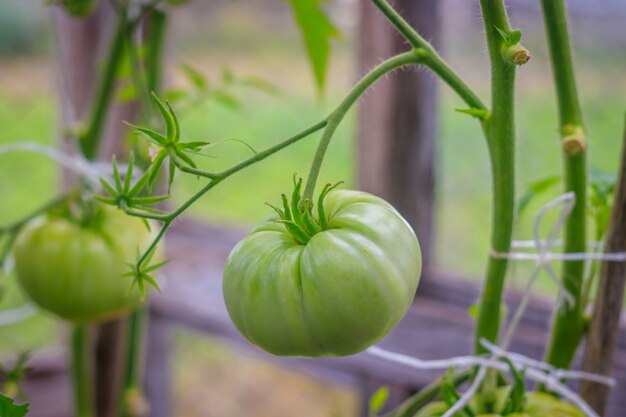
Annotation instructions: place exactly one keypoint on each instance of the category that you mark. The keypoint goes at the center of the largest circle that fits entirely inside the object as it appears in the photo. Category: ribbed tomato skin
(75, 271)
(338, 294)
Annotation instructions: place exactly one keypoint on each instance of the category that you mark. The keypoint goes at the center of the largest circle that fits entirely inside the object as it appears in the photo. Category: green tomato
(541, 404)
(337, 293)
(79, 8)
(538, 404)
(75, 270)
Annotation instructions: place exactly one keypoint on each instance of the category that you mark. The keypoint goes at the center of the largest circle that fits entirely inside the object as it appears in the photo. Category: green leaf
(600, 196)
(127, 93)
(535, 189)
(176, 94)
(227, 100)
(515, 36)
(260, 84)
(506, 37)
(197, 79)
(478, 113)
(517, 396)
(378, 400)
(317, 30)
(9, 409)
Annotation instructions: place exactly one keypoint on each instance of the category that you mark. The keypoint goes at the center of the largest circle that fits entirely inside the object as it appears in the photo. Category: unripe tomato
(541, 404)
(335, 294)
(75, 270)
(79, 8)
(538, 404)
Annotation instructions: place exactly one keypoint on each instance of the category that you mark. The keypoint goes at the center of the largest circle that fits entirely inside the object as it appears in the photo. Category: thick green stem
(157, 27)
(568, 325)
(132, 390)
(81, 372)
(500, 132)
(413, 57)
(90, 138)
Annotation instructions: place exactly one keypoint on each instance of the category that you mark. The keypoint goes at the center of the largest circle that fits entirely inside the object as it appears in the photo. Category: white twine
(16, 315)
(543, 247)
(468, 394)
(540, 373)
(90, 170)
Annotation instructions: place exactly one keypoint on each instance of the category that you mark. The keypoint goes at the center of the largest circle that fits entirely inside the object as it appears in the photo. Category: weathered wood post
(82, 44)
(396, 132)
(398, 119)
(604, 328)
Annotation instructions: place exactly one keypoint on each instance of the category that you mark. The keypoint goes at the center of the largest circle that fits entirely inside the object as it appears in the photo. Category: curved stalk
(432, 59)
(81, 373)
(415, 56)
(568, 324)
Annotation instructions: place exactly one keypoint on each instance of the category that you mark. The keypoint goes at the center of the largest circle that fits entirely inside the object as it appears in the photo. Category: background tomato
(336, 294)
(538, 404)
(79, 8)
(75, 270)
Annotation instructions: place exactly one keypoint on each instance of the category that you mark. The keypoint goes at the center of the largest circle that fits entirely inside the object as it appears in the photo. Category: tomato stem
(568, 324)
(413, 57)
(82, 372)
(132, 386)
(432, 59)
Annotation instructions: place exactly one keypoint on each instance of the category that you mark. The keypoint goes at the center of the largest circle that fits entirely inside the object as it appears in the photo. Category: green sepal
(517, 397)
(480, 114)
(151, 135)
(171, 128)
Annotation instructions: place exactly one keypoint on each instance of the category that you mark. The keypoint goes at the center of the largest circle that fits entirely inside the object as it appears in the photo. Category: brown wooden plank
(397, 119)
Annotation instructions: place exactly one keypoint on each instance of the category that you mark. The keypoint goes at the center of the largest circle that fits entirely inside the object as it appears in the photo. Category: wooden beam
(398, 119)
(604, 329)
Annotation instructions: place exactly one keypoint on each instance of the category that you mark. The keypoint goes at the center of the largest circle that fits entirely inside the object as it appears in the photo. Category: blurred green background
(258, 38)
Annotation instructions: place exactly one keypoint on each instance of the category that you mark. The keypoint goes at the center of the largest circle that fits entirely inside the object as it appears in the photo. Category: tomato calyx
(297, 215)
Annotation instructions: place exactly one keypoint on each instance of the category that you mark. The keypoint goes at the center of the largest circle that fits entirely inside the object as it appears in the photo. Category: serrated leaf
(535, 189)
(9, 409)
(378, 400)
(317, 31)
(197, 79)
